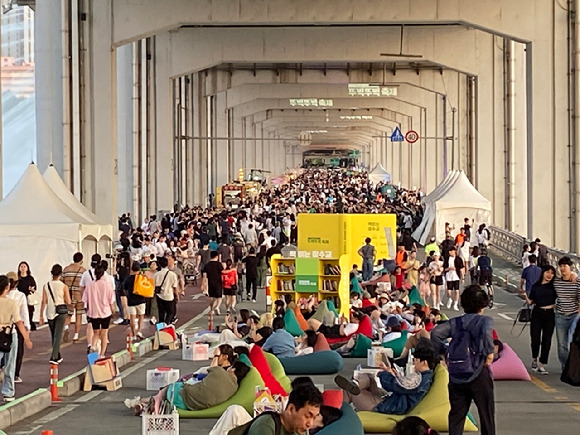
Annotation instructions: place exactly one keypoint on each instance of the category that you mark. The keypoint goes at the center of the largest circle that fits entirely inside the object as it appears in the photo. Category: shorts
(452, 285)
(99, 323)
(230, 291)
(437, 280)
(77, 305)
(136, 310)
(215, 293)
(485, 278)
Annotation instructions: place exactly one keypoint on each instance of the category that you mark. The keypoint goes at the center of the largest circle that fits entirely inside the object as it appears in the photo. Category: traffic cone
(130, 345)
(53, 383)
(46, 432)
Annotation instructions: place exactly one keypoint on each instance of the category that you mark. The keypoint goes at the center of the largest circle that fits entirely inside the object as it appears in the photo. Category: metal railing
(511, 245)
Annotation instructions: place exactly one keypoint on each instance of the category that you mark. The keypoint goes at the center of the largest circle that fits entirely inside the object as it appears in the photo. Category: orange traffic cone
(46, 432)
(53, 383)
(130, 345)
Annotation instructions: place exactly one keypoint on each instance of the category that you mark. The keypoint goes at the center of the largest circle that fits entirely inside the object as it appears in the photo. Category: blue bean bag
(348, 424)
(292, 325)
(325, 362)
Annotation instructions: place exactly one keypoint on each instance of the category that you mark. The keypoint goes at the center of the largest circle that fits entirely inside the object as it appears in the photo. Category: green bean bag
(397, 344)
(318, 363)
(348, 424)
(415, 297)
(363, 344)
(245, 397)
(278, 371)
(434, 409)
(332, 308)
(292, 325)
(323, 314)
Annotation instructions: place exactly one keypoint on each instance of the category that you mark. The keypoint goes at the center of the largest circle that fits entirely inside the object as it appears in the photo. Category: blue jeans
(563, 322)
(367, 269)
(9, 367)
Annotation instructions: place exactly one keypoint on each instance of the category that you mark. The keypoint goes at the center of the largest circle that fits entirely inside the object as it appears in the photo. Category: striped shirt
(568, 293)
(71, 276)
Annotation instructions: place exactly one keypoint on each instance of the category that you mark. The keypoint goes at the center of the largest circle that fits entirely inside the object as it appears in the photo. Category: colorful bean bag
(244, 397)
(278, 371)
(321, 343)
(318, 363)
(323, 314)
(300, 319)
(509, 367)
(365, 327)
(333, 398)
(261, 363)
(434, 409)
(332, 308)
(397, 344)
(363, 344)
(415, 297)
(348, 424)
(292, 325)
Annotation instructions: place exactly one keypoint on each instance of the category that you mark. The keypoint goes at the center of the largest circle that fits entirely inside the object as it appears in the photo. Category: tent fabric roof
(32, 208)
(379, 170)
(57, 185)
(462, 194)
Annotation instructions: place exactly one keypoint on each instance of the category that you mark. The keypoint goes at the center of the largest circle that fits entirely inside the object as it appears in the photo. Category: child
(355, 301)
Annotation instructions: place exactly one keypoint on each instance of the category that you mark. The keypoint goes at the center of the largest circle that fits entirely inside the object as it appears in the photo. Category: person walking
(530, 275)
(454, 271)
(27, 285)
(212, 282)
(255, 271)
(99, 299)
(88, 277)
(19, 297)
(543, 296)
(542, 253)
(54, 295)
(473, 381)
(567, 306)
(369, 255)
(71, 276)
(167, 292)
(230, 285)
(135, 303)
(10, 317)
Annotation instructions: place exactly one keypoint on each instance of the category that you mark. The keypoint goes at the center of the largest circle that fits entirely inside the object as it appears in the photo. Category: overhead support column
(222, 146)
(199, 168)
(127, 184)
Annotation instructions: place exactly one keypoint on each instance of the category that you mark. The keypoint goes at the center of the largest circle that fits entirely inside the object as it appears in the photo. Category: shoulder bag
(159, 288)
(6, 338)
(524, 316)
(61, 308)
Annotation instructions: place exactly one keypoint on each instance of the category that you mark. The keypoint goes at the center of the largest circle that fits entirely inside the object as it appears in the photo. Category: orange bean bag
(300, 318)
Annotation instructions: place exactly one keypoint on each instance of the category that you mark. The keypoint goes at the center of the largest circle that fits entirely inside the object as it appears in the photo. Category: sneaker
(449, 302)
(542, 371)
(140, 335)
(59, 360)
(65, 335)
(53, 361)
(76, 336)
(217, 311)
(347, 385)
(534, 365)
(9, 399)
(153, 321)
(119, 321)
(174, 321)
(126, 322)
(17, 380)
(254, 301)
(456, 306)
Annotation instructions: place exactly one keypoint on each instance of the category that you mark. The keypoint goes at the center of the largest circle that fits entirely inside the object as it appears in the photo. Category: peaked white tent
(453, 200)
(37, 226)
(379, 174)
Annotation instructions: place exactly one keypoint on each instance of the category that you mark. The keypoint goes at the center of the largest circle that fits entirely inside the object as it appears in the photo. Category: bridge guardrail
(511, 245)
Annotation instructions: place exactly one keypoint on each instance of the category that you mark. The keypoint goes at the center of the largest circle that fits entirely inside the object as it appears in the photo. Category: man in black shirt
(135, 303)
(251, 262)
(212, 282)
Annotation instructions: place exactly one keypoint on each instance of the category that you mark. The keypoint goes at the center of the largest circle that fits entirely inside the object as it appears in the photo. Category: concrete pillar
(222, 146)
(101, 122)
(199, 172)
(48, 84)
(127, 183)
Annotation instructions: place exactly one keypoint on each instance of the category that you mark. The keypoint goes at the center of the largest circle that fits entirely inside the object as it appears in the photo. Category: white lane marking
(505, 316)
(197, 296)
(498, 304)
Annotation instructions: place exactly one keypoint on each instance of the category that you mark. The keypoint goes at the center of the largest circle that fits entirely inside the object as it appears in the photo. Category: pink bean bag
(509, 366)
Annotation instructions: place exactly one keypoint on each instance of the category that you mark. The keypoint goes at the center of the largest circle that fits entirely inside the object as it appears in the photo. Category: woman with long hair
(99, 298)
(230, 285)
(27, 285)
(55, 293)
(543, 297)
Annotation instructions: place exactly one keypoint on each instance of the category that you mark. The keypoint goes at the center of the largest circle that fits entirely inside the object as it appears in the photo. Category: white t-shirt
(168, 285)
(88, 277)
(451, 275)
(19, 297)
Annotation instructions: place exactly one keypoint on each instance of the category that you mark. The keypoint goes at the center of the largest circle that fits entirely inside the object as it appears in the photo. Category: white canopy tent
(379, 174)
(453, 200)
(38, 227)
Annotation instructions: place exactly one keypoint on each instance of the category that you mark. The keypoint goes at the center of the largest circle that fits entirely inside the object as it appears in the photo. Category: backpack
(463, 355)
(245, 428)
(484, 263)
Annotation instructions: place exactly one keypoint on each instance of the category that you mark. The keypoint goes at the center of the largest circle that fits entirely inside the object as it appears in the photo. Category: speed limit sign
(412, 136)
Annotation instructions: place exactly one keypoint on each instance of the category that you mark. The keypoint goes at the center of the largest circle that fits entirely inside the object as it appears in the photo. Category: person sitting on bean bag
(281, 342)
(402, 392)
(344, 330)
(224, 356)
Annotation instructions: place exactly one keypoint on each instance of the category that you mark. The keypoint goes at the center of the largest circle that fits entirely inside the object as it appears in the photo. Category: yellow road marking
(543, 385)
(560, 398)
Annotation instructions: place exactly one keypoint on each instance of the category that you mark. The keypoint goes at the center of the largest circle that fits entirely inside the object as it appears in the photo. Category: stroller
(189, 266)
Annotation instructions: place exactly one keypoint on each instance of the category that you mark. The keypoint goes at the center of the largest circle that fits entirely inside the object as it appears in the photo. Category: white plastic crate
(163, 424)
(195, 352)
(157, 379)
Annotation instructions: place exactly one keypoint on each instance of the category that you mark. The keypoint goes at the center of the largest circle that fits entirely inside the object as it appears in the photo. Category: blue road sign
(397, 136)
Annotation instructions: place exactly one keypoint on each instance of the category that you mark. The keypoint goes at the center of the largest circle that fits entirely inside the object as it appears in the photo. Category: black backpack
(484, 263)
(463, 354)
(245, 428)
